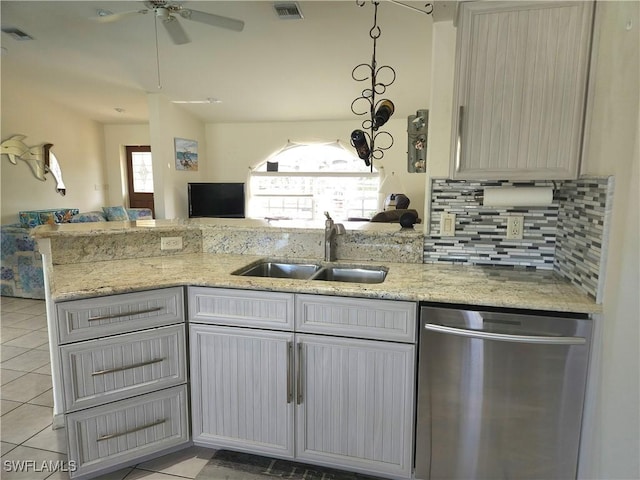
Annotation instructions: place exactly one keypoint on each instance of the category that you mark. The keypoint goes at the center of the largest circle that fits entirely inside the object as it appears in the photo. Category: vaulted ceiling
(273, 70)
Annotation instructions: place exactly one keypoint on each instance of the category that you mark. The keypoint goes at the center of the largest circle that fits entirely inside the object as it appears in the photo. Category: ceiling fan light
(162, 13)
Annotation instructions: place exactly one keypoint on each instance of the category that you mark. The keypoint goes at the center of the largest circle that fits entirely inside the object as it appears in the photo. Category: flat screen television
(223, 200)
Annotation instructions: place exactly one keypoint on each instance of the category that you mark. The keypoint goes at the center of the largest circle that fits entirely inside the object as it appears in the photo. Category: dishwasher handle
(503, 337)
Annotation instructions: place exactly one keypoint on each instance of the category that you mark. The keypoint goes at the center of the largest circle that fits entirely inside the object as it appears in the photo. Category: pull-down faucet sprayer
(331, 229)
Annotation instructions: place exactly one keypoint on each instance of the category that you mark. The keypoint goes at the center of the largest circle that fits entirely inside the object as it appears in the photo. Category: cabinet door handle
(133, 430)
(126, 314)
(299, 375)
(459, 138)
(127, 367)
(289, 367)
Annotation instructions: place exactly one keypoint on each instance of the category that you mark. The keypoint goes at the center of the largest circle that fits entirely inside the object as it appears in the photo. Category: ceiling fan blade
(114, 17)
(175, 31)
(213, 20)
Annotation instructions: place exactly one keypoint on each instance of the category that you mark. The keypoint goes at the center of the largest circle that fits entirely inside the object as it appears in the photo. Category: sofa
(21, 272)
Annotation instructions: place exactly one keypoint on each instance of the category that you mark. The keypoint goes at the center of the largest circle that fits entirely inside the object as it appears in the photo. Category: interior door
(140, 177)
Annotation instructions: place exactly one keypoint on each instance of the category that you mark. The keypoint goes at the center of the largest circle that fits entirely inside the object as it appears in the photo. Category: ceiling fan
(167, 12)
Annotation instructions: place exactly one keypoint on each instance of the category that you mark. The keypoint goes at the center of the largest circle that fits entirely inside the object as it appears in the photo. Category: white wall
(443, 54)
(613, 148)
(235, 148)
(166, 122)
(77, 144)
(116, 138)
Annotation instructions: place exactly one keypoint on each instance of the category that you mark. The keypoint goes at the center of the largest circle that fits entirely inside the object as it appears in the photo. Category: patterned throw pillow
(115, 214)
(94, 216)
(33, 218)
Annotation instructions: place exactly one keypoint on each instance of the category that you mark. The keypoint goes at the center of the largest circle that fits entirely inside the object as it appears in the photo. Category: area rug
(233, 465)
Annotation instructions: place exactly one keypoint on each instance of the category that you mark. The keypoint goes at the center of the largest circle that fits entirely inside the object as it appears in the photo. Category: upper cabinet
(521, 79)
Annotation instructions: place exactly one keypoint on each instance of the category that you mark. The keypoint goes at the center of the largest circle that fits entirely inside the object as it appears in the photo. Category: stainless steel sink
(360, 274)
(275, 269)
(313, 271)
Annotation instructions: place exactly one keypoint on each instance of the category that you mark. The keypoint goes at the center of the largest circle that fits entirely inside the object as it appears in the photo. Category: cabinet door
(355, 404)
(242, 389)
(521, 84)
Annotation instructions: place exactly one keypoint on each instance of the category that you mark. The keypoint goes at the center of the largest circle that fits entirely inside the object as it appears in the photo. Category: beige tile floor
(27, 401)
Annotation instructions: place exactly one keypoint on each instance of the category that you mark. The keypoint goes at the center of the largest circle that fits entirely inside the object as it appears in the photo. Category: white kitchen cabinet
(97, 317)
(315, 397)
(355, 404)
(356, 317)
(104, 437)
(226, 306)
(241, 389)
(521, 79)
(124, 371)
(112, 368)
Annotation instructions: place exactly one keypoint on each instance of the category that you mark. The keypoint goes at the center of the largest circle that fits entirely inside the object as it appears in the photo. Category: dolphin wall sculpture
(40, 159)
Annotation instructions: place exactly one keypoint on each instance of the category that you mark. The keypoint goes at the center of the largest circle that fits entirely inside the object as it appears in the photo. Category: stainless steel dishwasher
(500, 394)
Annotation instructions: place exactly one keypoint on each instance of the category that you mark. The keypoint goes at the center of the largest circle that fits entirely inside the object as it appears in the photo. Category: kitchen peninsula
(95, 259)
(121, 308)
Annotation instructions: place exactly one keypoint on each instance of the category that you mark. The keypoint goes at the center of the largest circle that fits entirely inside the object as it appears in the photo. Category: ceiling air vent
(288, 11)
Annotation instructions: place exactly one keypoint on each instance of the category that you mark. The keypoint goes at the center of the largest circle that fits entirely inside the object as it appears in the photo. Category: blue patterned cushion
(94, 216)
(139, 213)
(115, 214)
(33, 218)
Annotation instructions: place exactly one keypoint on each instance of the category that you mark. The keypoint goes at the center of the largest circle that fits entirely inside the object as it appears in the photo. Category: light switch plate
(448, 225)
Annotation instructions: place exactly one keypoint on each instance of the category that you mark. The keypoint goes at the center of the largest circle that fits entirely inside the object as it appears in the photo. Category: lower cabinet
(123, 368)
(354, 407)
(335, 401)
(241, 389)
(128, 430)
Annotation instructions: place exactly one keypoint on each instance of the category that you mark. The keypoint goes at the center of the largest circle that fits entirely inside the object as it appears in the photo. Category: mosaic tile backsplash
(566, 236)
(581, 240)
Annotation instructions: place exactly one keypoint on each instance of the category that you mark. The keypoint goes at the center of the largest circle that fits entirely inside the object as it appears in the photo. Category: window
(302, 181)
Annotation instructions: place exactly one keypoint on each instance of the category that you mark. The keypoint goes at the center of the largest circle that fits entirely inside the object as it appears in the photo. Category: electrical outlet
(515, 227)
(170, 243)
(448, 225)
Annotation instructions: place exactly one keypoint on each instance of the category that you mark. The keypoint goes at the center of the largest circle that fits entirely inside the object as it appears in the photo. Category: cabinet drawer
(357, 317)
(241, 308)
(101, 371)
(118, 433)
(97, 317)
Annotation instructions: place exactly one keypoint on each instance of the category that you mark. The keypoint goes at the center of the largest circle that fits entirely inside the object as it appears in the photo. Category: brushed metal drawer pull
(127, 314)
(289, 367)
(128, 367)
(133, 430)
(299, 376)
(458, 160)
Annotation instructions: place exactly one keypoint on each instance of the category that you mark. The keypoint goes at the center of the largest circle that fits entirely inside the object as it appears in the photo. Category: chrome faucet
(330, 231)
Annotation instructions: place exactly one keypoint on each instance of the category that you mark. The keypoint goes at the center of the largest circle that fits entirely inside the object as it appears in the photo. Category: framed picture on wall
(186, 154)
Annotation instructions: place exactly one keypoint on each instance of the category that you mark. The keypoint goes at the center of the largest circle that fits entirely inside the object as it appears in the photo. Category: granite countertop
(482, 286)
(181, 224)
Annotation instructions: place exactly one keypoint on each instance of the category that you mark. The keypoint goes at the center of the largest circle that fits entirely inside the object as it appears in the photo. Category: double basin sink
(314, 271)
